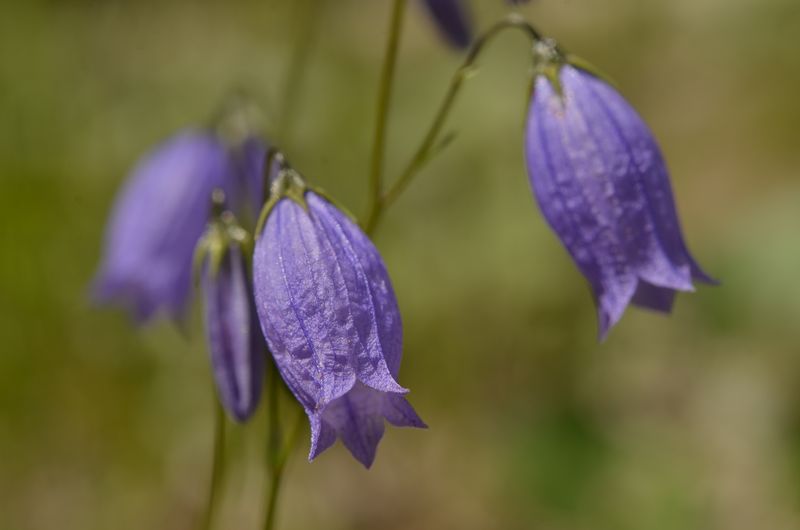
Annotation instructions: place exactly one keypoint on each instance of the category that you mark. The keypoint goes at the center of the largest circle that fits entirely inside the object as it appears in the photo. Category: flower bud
(453, 20)
(235, 343)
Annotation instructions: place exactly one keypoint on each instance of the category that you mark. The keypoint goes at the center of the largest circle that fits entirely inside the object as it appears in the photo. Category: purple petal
(453, 20)
(602, 185)
(248, 159)
(331, 320)
(649, 296)
(235, 342)
(156, 222)
(358, 418)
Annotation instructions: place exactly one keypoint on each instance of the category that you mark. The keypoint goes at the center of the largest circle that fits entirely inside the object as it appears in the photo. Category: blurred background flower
(453, 19)
(686, 422)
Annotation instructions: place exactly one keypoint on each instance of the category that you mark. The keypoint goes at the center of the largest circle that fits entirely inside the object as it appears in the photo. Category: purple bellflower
(158, 218)
(602, 184)
(453, 20)
(156, 223)
(330, 317)
(248, 164)
(235, 342)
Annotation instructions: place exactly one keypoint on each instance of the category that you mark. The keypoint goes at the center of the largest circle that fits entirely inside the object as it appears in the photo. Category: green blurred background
(687, 422)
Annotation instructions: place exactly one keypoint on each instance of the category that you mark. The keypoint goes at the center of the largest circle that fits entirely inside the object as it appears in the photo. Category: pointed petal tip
(384, 383)
(399, 412)
(602, 333)
(418, 423)
(702, 277)
(365, 459)
(322, 435)
(607, 318)
(240, 414)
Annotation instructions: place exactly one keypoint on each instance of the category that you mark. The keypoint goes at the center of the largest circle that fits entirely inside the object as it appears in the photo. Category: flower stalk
(431, 142)
(384, 103)
(217, 464)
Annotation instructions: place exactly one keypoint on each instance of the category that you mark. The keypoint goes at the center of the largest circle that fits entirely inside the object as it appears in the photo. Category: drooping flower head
(603, 186)
(160, 215)
(453, 20)
(156, 223)
(236, 345)
(330, 317)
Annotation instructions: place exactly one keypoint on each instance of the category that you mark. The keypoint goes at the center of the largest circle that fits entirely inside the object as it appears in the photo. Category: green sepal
(222, 233)
(341, 207)
(589, 68)
(288, 184)
(548, 60)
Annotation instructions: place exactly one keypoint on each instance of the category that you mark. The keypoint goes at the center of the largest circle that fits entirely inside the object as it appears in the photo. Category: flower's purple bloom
(453, 19)
(156, 223)
(331, 320)
(235, 341)
(601, 182)
(248, 164)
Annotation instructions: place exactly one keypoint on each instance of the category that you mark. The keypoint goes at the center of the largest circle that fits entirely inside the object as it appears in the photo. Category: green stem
(278, 449)
(217, 463)
(304, 17)
(273, 418)
(382, 118)
(282, 458)
(430, 140)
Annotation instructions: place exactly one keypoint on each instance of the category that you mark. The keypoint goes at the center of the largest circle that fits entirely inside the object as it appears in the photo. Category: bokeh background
(687, 422)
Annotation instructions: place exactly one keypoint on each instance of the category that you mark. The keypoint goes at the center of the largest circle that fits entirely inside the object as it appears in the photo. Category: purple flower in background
(161, 213)
(156, 223)
(331, 320)
(235, 341)
(453, 20)
(601, 182)
(248, 164)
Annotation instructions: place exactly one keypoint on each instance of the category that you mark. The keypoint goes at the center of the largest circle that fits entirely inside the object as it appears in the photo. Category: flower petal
(235, 342)
(156, 223)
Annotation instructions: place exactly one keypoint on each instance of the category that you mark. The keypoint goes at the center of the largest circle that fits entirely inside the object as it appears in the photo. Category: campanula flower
(602, 184)
(453, 19)
(161, 213)
(330, 317)
(156, 223)
(235, 342)
(248, 157)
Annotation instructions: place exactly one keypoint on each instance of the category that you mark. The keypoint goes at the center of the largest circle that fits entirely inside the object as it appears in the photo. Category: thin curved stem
(279, 465)
(429, 142)
(278, 449)
(382, 118)
(217, 464)
(304, 19)
(273, 447)
(273, 418)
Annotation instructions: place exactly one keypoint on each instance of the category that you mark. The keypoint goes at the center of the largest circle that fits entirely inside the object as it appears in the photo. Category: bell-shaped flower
(248, 157)
(235, 342)
(453, 20)
(602, 184)
(156, 223)
(158, 218)
(330, 317)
